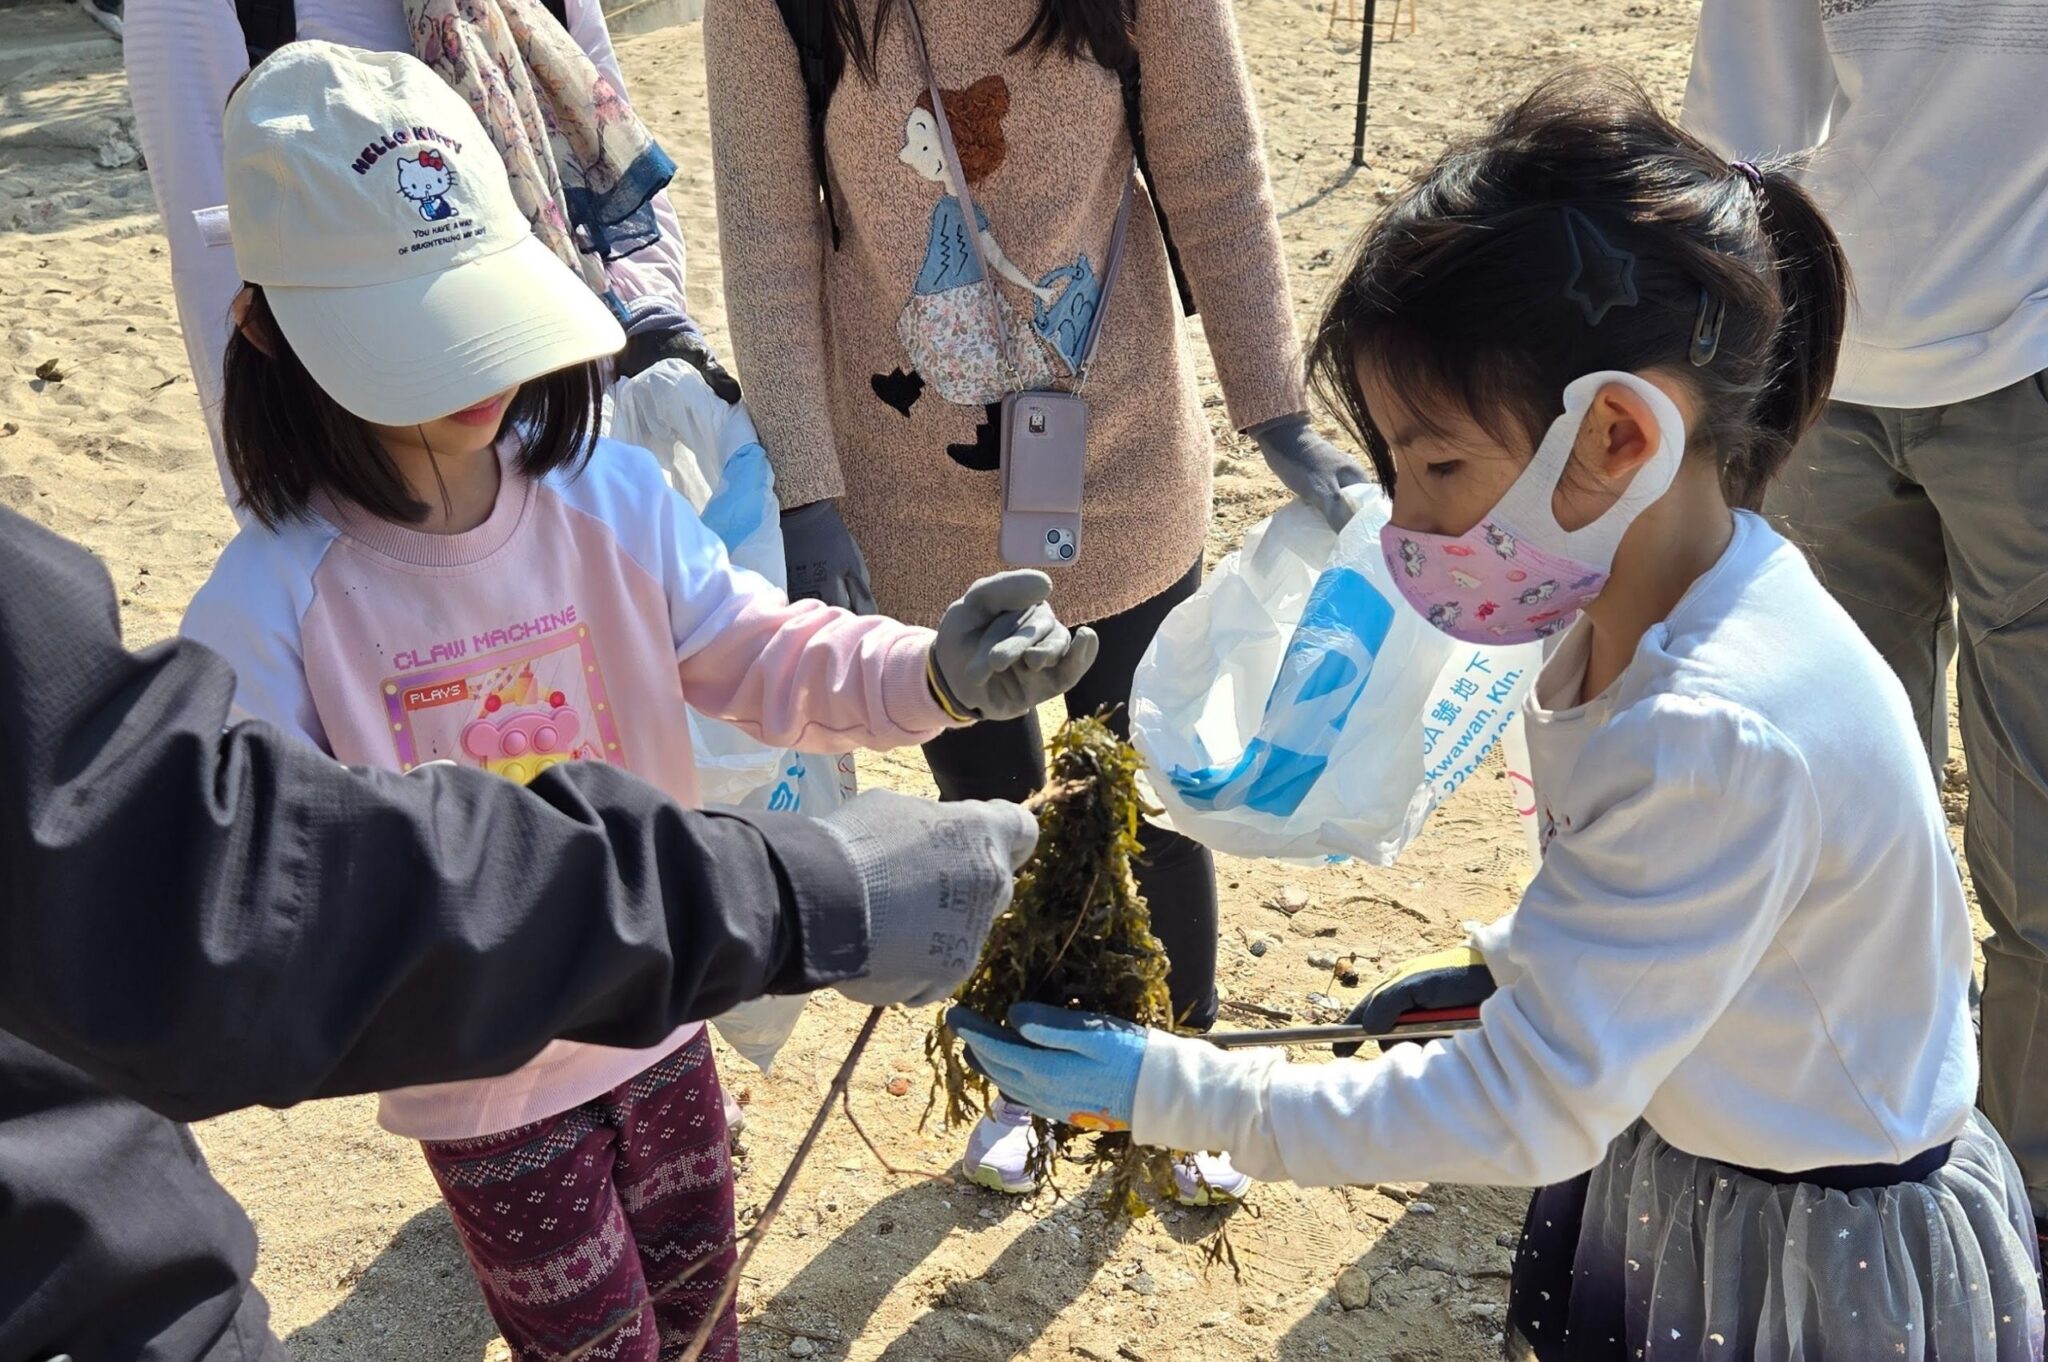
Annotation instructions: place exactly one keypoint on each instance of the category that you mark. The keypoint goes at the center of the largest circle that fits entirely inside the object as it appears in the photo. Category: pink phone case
(1044, 471)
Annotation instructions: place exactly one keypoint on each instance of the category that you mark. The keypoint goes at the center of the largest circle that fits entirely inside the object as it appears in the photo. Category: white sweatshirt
(1748, 929)
(184, 57)
(1931, 119)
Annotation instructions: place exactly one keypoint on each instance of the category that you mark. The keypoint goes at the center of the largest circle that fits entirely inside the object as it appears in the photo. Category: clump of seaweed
(1078, 934)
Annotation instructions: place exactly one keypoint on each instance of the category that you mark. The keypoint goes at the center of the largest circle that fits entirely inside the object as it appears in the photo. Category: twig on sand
(846, 1105)
(1256, 1010)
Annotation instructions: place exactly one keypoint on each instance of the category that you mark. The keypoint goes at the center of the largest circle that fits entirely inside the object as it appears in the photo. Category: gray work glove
(824, 562)
(935, 877)
(1312, 468)
(1002, 653)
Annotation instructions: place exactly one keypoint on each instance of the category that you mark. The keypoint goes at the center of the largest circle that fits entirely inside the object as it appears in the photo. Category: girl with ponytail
(1726, 1032)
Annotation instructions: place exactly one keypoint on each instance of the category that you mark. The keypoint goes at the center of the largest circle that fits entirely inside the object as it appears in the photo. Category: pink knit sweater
(864, 368)
(575, 623)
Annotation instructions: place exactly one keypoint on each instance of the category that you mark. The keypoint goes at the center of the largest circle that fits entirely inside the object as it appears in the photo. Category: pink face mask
(1518, 575)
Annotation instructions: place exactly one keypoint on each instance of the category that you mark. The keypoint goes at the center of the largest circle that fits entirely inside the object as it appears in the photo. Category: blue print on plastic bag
(737, 509)
(1322, 674)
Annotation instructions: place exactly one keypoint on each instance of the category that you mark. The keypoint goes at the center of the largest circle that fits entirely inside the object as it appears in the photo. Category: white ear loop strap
(1528, 505)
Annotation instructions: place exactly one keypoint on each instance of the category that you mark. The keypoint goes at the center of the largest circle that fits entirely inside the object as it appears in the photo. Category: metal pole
(1364, 82)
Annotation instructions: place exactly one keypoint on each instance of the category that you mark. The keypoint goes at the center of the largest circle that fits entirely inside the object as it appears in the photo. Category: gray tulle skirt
(1657, 1254)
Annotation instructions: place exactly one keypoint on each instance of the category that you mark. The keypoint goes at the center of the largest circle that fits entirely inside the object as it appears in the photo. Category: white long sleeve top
(184, 57)
(1748, 929)
(1931, 122)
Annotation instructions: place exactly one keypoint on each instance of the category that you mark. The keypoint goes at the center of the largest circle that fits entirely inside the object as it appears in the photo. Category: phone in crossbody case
(1044, 468)
(1044, 432)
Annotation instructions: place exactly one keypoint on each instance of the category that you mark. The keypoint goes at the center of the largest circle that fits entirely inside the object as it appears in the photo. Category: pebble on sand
(1354, 1288)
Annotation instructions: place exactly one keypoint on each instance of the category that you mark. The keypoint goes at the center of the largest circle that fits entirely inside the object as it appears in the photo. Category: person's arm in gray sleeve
(205, 918)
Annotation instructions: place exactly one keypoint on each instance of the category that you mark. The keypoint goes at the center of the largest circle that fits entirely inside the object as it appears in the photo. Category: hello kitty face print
(426, 180)
(1517, 575)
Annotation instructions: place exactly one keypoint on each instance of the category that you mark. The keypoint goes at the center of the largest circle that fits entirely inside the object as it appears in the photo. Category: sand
(360, 1262)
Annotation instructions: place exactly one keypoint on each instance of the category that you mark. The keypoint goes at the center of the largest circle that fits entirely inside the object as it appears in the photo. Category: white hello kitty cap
(366, 199)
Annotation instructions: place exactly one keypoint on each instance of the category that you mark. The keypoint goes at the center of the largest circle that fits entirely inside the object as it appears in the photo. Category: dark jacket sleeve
(205, 917)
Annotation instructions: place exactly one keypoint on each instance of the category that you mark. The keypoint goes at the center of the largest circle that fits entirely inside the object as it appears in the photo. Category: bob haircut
(287, 440)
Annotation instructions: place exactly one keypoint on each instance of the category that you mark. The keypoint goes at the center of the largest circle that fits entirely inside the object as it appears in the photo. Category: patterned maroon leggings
(572, 1223)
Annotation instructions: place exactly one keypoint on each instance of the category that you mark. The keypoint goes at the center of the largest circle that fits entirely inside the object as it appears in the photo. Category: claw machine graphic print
(514, 712)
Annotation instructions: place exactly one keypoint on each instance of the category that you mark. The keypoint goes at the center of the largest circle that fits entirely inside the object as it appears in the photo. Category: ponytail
(1467, 292)
(1813, 282)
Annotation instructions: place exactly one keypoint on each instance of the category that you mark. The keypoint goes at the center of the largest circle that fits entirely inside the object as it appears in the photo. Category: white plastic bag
(1297, 707)
(759, 1028)
(713, 458)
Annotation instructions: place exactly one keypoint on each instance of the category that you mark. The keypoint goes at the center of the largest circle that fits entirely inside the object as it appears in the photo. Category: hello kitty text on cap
(369, 203)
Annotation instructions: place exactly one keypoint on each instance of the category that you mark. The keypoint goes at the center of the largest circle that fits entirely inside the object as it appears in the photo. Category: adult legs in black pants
(1176, 875)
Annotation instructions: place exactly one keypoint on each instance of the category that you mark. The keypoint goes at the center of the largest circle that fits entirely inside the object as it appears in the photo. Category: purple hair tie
(1750, 173)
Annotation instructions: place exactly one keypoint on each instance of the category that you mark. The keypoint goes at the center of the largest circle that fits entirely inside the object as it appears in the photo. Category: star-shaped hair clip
(1603, 276)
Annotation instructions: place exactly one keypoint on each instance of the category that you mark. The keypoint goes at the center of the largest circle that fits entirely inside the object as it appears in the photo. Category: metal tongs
(1439, 1024)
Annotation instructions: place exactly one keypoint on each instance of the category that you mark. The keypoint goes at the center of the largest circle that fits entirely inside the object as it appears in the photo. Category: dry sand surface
(359, 1260)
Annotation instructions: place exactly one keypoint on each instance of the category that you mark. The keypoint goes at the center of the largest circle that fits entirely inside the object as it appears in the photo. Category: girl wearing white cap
(446, 566)
(555, 106)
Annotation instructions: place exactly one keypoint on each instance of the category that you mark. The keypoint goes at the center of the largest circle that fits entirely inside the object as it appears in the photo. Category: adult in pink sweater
(860, 325)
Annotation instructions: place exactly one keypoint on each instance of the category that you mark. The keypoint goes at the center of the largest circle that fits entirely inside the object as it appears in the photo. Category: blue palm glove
(1079, 1068)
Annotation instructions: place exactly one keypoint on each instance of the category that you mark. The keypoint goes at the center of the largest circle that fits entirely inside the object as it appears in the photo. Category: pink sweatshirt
(576, 623)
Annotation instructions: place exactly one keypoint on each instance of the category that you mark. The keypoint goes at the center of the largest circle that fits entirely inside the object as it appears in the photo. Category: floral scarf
(584, 169)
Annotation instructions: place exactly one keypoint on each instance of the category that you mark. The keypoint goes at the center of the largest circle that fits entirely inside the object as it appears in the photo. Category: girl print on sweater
(955, 338)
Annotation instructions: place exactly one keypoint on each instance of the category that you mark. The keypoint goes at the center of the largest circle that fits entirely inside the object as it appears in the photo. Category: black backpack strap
(1134, 121)
(266, 25)
(821, 62)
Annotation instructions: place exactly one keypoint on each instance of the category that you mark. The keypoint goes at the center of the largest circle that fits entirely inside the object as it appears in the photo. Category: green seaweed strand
(1077, 934)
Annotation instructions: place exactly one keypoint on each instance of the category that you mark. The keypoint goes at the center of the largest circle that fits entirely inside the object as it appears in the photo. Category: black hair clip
(1706, 329)
(1603, 275)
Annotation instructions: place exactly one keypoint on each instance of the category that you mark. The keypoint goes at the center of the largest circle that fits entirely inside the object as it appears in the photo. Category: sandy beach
(101, 438)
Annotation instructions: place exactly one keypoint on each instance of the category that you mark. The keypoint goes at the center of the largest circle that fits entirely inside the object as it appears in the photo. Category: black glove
(656, 331)
(824, 562)
(1429, 983)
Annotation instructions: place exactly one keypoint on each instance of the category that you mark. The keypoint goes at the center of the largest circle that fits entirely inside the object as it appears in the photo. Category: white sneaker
(1208, 1180)
(999, 1150)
